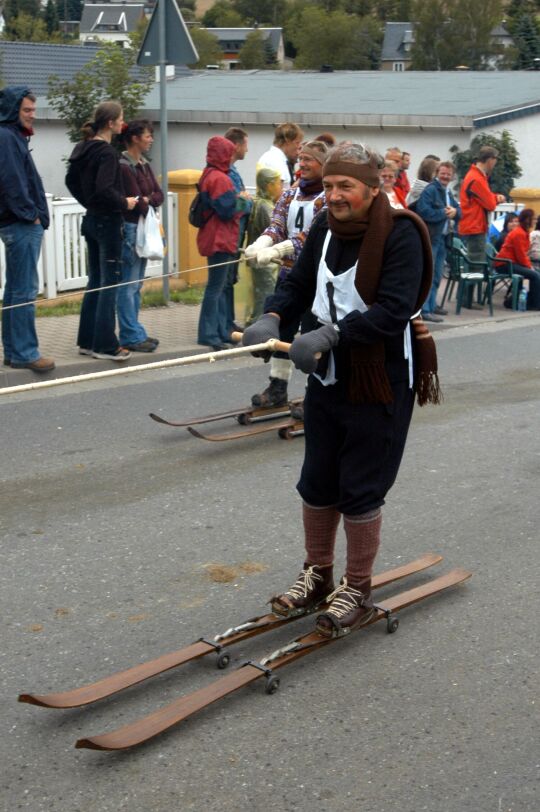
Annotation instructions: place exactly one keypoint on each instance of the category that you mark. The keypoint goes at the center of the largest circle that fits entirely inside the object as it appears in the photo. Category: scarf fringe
(428, 389)
(368, 382)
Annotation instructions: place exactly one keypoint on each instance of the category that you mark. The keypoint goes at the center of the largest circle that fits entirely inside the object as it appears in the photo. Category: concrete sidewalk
(176, 328)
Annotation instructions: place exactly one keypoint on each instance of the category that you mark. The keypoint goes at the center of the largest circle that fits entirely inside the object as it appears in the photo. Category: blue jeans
(103, 235)
(438, 248)
(215, 323)
(129, 296)
(23, 244)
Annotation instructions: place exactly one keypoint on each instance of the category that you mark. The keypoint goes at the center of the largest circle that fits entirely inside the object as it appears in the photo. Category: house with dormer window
(112, 22)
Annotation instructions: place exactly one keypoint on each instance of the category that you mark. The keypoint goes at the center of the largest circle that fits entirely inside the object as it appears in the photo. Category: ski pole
(281, 346)
(272, 344)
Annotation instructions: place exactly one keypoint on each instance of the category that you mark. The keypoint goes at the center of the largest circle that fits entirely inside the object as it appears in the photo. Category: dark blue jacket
(431, 205)
(22, 196)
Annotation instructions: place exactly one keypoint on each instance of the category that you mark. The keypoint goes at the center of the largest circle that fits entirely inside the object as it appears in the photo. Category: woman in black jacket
(95, 180)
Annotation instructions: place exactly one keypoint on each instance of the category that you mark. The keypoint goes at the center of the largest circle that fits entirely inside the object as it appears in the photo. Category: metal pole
(162, 20)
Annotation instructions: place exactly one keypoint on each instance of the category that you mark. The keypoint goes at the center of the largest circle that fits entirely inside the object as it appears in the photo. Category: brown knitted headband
(320, 157)
(367, 173)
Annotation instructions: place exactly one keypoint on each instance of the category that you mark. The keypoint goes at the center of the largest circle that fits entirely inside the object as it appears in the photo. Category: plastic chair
(501, 274)
(467, 276)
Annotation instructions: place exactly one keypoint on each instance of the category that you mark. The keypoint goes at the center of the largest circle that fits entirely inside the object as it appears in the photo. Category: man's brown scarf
(368, 380)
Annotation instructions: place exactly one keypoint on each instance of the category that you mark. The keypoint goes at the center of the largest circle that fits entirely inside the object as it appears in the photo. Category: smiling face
(348, 198)
(310, 169)
(27, 113)
(388, 178)
(444, 175)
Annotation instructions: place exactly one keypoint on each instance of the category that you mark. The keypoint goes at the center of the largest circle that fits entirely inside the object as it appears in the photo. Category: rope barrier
(117, 285)
(271, 345)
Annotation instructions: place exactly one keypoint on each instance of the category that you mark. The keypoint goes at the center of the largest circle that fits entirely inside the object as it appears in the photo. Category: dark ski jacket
(22, 196)
(94, 178)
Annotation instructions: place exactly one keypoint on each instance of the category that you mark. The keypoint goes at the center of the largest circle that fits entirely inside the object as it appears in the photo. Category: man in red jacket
(477, 200)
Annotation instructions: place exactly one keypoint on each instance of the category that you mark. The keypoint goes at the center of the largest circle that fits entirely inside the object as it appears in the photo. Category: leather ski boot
(350, 607)
(274, 395)
(309, 591)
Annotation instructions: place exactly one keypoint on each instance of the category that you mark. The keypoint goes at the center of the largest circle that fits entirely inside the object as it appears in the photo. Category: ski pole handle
(277, 346)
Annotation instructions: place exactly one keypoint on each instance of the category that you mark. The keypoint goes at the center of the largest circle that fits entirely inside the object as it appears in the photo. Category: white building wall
(526, 132)
(187, 146)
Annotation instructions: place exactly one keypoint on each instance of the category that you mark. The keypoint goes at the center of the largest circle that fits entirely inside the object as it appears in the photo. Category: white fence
(62, 263)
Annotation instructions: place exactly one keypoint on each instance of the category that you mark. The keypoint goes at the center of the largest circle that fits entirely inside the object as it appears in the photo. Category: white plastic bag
(149, 242)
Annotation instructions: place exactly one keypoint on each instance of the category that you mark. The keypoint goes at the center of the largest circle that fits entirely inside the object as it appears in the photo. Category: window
(397, 66)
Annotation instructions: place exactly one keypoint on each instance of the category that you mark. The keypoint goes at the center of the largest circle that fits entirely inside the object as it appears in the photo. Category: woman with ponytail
(94, 179)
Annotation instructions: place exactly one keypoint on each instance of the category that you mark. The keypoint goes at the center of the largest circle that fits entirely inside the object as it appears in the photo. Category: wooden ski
(86, 694)
(250, 414)
(155, 723)
(287, 429)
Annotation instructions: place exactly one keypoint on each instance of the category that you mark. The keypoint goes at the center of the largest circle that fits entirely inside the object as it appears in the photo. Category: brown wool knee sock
(320, 528)
(363, 535)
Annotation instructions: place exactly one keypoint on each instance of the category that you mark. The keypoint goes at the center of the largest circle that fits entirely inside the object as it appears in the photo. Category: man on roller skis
(282, 242)
(365, 271)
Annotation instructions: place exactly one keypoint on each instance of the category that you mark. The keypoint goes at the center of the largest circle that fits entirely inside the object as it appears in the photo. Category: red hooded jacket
(221, 229)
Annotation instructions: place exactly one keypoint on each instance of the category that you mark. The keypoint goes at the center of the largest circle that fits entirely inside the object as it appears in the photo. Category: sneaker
(432, 317)
(7, 362)
(41, 365)
(440, 311)
(152, 340)
(308, 592)
(84, 351)
(274, 395)
(142, 346)
(350, 607)
(119, 355)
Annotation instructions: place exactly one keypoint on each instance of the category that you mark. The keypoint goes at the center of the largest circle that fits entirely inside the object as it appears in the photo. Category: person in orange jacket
(477, 200)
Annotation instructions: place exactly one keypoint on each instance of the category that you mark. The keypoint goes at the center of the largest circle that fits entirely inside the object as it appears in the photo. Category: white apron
(345, 299)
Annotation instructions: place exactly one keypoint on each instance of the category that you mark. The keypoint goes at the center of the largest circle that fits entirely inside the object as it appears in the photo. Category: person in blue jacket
(441, 212)
(23, 217)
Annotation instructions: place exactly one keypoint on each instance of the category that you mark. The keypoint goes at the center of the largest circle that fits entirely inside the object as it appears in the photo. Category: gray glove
(304, 348)
(264, 328)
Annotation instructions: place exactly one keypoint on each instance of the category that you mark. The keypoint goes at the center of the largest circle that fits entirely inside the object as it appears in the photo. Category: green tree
(526, 35)
(207, 47)
(222, 15)
(26, 28)
(507, 169)
(338, 39)
(12, 8)
(69, 9)
(111, 74)
(256, 53)
(50, 17)
(263, 12)
(449, 33)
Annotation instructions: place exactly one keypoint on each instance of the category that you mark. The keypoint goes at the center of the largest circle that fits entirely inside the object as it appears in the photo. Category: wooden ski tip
(91, 744)
(157, 418)
(32, 699)
(195, 432)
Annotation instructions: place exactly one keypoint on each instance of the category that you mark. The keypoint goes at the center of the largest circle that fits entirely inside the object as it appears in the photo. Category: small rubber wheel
(284, 434)
(223, 660)
(242, 419)
(392, 625)
(272, 685)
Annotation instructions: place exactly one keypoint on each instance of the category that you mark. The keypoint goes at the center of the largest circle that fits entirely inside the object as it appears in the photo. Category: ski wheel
(284, 434)
(272, 684)
(242, 419)
(223, 660)
(392, 624)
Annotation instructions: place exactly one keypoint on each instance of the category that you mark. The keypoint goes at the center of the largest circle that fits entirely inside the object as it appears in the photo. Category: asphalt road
(122, 539)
